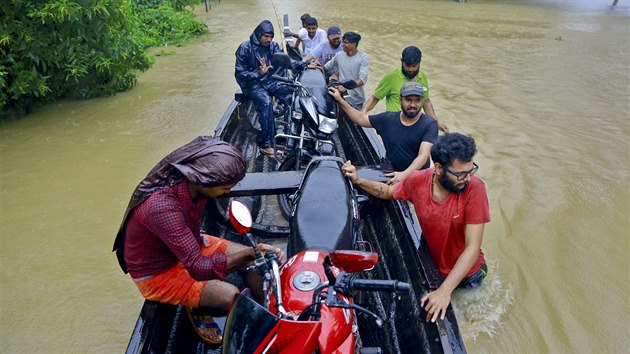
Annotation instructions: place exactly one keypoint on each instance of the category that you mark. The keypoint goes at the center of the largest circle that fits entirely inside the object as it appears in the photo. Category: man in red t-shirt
(452, 208)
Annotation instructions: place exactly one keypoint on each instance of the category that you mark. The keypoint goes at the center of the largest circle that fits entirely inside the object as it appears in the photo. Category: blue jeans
(264, 108)
(474, 280)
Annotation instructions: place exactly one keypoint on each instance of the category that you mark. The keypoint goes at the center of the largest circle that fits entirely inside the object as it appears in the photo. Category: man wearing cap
(407, 134)
(310, 36)
(351, 64)
(390, 85)
(326, 50)
(160, 242)
(253, 74)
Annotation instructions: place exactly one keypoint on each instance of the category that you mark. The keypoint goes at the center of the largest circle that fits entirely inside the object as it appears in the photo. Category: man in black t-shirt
(407, 135)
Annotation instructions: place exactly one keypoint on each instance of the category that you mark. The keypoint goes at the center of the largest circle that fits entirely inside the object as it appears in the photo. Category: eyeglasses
(462, 175)
(347, 42)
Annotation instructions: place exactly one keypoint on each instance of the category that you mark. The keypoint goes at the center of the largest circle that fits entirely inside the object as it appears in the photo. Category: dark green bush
(51, 49)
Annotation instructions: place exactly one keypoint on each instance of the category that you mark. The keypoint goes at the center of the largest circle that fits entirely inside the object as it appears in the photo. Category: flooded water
(543, 87)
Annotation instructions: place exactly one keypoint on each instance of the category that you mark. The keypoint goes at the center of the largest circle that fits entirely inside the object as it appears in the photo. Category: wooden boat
(388, 226)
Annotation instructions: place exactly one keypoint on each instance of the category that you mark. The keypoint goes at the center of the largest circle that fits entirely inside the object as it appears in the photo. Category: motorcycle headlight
(327, 125)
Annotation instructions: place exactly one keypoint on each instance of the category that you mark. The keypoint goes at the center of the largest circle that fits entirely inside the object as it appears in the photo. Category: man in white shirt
(310, 36)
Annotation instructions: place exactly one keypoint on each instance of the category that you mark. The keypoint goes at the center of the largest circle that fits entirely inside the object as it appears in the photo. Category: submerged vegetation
(52, 49)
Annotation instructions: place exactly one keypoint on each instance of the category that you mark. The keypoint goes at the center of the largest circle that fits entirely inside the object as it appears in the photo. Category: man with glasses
(452, 208)
(351, 64)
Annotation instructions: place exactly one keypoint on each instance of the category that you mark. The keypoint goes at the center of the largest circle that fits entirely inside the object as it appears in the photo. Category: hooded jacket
(205, 161)
(248, 55)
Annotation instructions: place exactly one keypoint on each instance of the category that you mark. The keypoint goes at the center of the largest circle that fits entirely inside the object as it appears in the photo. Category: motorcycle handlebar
(283, 79)
(379, 285)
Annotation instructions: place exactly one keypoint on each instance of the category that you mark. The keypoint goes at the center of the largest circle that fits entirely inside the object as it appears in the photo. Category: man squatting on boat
(160, 242)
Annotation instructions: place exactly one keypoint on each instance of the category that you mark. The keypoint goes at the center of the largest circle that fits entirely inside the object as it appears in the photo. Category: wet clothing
(474, 280)
(176, 286)
(165, 230)
(261, 88)
(444, 223)
(402, 142)
(351, 68)
(170, 218)
(390, 85)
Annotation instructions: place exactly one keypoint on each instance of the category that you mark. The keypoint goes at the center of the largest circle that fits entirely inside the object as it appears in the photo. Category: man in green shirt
(392, 82)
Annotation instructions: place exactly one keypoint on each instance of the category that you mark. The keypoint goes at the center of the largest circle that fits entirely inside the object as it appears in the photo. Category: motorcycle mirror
(294, 53)
(349, 84)
(281, 60)
(240, 216)
(353, 261)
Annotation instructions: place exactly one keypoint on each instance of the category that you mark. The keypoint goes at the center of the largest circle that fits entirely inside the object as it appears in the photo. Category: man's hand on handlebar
(264, 248)
(335, 92)
(350, 171)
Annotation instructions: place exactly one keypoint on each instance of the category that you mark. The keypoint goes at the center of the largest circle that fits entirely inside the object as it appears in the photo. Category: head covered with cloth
(205, 161)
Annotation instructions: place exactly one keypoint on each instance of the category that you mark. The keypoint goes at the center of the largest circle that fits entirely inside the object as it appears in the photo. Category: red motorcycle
(309, 303)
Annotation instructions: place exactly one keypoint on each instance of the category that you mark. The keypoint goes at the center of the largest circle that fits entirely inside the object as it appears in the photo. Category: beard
(450, 186)
(409, 113)
(410, 74)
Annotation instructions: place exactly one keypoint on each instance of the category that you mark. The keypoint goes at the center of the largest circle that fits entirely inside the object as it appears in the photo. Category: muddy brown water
(542, 86)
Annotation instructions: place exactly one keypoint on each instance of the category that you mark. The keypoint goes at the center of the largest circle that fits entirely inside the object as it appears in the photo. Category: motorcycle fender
(290, 337)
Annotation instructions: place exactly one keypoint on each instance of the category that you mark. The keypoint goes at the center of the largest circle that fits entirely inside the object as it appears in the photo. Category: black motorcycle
(311, 120)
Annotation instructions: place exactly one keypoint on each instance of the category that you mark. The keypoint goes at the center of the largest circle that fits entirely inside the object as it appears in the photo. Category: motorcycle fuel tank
(299, 276)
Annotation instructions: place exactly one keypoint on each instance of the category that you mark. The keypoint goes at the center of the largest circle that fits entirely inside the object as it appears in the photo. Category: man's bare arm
(355, 115)
(427, 106)
(370, 104)
(376, 189)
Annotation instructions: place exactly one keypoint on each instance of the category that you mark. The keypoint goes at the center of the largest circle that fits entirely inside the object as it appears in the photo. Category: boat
(388, 228)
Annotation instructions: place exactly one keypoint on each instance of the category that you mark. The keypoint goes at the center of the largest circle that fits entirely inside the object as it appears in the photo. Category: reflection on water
(542, 86)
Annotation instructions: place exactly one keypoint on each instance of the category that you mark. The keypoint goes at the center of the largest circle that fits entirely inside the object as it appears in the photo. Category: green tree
(82, 48)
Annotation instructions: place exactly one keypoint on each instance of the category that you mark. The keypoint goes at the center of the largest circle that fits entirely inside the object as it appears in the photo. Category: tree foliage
(82, 48)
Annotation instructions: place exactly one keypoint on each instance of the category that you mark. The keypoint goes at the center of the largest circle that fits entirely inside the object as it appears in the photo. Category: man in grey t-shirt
(326, 50)
(351, 64)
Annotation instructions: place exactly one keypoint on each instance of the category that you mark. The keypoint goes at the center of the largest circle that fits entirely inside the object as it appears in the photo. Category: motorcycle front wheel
(284, 201)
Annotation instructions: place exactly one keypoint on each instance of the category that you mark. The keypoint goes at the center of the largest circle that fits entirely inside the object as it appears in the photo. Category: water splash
(481, 310)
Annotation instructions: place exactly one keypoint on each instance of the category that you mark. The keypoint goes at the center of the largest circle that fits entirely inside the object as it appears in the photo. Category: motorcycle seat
(323, 214)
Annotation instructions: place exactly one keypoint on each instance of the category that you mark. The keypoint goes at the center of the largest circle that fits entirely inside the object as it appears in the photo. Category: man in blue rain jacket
(253, 74)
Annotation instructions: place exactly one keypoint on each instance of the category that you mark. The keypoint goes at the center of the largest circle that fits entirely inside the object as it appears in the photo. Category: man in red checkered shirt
(160, 243)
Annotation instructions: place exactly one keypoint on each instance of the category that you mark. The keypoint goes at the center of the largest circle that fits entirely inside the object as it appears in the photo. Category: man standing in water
(351, 64)
(253, 74)
(452, 208)
(160, 242)
(407, 135)
(391, 83)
